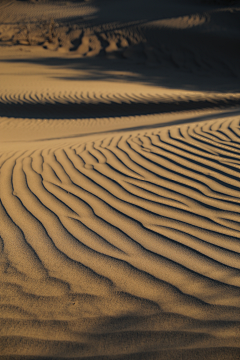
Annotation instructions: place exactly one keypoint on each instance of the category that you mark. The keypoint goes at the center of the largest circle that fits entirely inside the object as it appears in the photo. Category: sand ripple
(86, 104)
(124, 244)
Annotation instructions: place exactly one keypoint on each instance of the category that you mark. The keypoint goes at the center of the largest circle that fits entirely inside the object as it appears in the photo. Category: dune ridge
(136, 232)
(64, 105)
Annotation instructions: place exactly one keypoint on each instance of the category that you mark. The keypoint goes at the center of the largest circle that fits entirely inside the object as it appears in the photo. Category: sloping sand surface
(119, 180)
(127, 243)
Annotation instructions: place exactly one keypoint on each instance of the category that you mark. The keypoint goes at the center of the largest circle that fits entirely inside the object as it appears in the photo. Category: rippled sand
(119, 183)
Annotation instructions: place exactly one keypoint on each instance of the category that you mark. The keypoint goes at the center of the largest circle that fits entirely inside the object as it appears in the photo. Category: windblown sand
(119, 180)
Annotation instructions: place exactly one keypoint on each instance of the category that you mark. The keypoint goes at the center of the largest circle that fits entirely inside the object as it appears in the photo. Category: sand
(119, 180)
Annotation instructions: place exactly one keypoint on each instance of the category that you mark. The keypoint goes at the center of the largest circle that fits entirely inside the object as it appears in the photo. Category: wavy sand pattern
(119, 180)
(84, 105)
(130, 238)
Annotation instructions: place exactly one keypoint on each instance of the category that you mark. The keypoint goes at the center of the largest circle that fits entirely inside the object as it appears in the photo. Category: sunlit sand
(119, 180)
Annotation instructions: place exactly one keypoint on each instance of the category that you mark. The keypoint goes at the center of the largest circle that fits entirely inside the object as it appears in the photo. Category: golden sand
(119, 180)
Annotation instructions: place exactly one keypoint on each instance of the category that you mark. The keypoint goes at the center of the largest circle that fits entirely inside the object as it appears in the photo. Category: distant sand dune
(129, 243)
(72, 105)
(190, 39)
(24, 11)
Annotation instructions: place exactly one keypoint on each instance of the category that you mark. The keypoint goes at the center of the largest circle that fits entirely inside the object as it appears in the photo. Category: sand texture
(119, 180)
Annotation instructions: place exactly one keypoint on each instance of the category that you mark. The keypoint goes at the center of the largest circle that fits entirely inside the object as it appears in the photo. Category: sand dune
(119, 180)
(99, 105)
(186, 35)
(132, 238)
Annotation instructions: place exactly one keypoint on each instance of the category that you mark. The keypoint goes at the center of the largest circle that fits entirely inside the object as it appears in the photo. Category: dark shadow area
(114, 67)
(112, 10)
(184, 60)
(214, 353)
(100, 110)
(200, 57)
